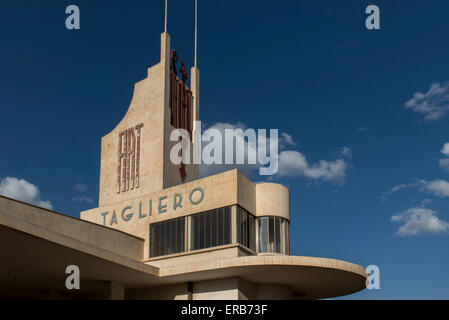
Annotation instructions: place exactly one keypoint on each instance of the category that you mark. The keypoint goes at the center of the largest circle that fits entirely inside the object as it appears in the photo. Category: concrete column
(165, 54)
(196, 129)
(189, 290)
(234, 224)
(195, 87)
(113, 291)
(165, 62)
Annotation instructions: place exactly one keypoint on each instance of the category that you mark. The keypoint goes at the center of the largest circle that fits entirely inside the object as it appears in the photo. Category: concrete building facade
(159, 231)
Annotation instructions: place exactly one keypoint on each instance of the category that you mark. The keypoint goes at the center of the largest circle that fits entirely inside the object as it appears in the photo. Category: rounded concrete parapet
(272, 199)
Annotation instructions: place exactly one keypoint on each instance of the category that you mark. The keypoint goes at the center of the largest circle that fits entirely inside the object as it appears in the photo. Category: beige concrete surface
(306, 277)
(220, 190)
(272, 199)
(69, 231)
(149, 107)
(37, 244)
(153, 196)
(214, 253)
(139, 185)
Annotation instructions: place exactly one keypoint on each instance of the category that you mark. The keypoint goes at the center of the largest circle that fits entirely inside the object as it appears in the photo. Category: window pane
(227, 224)
(277, 233)
(162, 238)
(158, 228)
(197, 237)
(240, 238)
(211, 228)
(263, 234)
(251, 232)
(153, 241)
(193, 232)
(167, 237)
(244, 228)
(214, 241)
(172, 236)
(286, 238)
(178, 235)
(220, 227)
(271, 234)
(238, 224)
(202, 230)
(181, 237)
(207, 233)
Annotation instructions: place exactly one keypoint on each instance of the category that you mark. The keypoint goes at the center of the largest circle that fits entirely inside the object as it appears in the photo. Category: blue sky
(309, 68)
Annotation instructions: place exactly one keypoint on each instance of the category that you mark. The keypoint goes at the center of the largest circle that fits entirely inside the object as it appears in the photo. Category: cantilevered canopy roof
(36, 246)
(309, 277)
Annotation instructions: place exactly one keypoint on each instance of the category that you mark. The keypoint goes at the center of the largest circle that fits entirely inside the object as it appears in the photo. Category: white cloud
(439, 188)
(207, 170)
(445, 149)
(419, 221)
(291, 163)
(425, 201)
(444, 163)
(433, 104)
(22, 190)
(80, 187)
(346, 152)
(287, 138)
(294, 164)
(398, 188)
(83, 199)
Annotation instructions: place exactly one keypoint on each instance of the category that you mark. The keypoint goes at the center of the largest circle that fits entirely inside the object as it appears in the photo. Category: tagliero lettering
(250, 147)
(161, 205)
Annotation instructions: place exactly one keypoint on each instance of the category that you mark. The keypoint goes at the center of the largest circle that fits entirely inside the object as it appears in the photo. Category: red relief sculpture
(128, 169)
(180, 102)
(182, 171)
